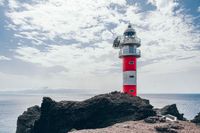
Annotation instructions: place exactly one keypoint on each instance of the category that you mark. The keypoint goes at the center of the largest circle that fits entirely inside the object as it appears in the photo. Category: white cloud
(86, 67)
(169, 38)
(163, 34)
(198, 9)
(4, 58)
(164, 6)
(1, 2)
(75, 59)
(71, 19)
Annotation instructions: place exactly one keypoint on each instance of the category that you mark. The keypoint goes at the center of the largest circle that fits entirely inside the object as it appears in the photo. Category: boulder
(151, 119)
(172, 110)
(97, 112)
(169, 128)
(26, 121)
(154, 119)
(196, 119)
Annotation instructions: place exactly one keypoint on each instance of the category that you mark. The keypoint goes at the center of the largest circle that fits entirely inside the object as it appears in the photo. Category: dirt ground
(142, 127)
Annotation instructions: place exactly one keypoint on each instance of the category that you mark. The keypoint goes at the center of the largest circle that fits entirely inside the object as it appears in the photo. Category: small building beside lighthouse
(128, 44)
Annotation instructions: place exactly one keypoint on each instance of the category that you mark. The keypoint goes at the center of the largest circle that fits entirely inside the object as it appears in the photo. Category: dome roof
(129, 30)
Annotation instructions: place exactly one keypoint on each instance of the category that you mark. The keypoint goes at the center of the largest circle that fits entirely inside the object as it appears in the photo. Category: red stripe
(130, 89)
(129, 63)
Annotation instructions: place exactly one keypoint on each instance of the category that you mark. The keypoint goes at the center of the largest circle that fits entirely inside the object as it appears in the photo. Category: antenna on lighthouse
(129, 25)
(128, 44)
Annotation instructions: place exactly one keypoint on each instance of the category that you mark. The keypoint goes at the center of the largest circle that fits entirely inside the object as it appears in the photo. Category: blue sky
(68, 44)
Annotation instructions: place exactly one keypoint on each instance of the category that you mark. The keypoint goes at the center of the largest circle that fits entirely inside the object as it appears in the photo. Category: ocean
(12, 105)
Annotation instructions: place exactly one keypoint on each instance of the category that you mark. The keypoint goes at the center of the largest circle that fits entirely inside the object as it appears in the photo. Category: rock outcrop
(97, 112)
(26, 121)
(196, 119)
(169, 128)
(154, 119)
(172, 110)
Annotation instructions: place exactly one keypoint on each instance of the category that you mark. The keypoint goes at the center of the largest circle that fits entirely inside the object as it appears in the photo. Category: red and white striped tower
(128, 44)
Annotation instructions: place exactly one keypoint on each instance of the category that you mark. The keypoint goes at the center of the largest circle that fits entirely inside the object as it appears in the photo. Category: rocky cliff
(197, 119)
(172, 110)
(97, 112)
(26, 121)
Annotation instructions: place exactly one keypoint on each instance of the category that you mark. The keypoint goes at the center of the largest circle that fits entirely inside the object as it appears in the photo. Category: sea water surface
(12, 105)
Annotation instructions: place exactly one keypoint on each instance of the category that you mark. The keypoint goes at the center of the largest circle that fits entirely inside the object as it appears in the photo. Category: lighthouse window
(131, 49)
(131, 76)
(130, 33)
(131, 62)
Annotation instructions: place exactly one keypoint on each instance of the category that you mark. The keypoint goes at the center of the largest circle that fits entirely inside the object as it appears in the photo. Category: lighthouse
(128, 44)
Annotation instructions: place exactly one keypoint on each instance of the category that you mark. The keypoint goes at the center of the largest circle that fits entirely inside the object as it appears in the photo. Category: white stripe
(129, 78)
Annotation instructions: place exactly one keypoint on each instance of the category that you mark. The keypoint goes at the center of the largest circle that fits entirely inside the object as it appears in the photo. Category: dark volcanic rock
(26, 121)
(152, 119)
(97, 112)
(155, 119)
(169, 128)
(196, 119)
(172, 110)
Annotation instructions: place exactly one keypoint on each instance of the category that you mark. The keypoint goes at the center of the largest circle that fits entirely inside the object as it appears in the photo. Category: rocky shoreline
(103, 111)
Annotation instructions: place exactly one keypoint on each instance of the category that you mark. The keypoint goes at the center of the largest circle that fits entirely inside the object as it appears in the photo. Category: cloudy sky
(68, 44)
